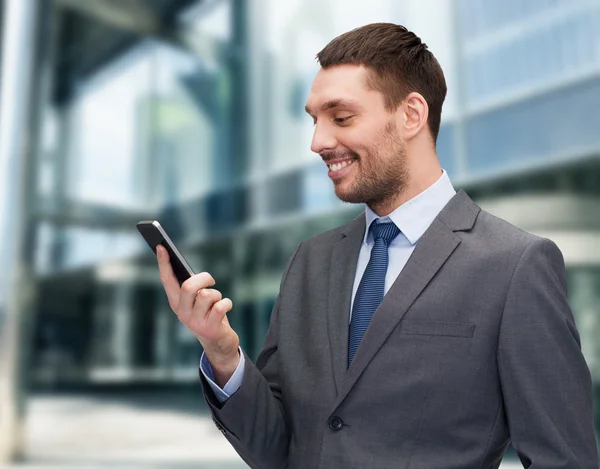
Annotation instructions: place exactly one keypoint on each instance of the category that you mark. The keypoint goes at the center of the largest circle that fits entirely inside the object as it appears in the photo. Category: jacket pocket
(437, 328)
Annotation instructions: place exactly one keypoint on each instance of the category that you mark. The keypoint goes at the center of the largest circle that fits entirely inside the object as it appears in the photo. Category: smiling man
(426, 333)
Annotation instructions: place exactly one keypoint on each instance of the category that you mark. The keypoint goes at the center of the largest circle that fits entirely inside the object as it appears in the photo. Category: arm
(253, 418)
(546, 384)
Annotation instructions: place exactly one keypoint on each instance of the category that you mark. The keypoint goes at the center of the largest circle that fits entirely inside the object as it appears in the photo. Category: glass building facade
(526, 66)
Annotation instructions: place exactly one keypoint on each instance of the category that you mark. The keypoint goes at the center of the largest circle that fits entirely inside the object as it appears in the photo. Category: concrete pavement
(93, 432)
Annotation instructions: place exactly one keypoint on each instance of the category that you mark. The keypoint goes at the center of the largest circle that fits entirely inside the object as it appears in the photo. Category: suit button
(336, 423)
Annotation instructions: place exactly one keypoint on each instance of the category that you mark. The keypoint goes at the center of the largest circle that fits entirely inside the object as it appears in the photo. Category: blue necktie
(372, 285)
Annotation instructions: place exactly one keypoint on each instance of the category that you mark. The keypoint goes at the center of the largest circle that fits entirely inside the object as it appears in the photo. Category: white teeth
(338, 166)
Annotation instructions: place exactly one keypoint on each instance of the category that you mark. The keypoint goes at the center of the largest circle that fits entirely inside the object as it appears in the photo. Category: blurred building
(191, 112)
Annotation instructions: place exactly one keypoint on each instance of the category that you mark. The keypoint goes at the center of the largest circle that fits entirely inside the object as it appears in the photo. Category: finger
(189, 289)
(218, 311)
(167, 277)
(205, 299)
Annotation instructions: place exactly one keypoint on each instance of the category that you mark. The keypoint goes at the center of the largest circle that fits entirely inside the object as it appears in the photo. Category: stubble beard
(382, 173)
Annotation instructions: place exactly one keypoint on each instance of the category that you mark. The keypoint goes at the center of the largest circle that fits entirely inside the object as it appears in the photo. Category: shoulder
(498, 232)
(498, 240)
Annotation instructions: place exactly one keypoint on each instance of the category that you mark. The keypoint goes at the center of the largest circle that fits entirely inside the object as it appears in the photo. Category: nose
(323, 139)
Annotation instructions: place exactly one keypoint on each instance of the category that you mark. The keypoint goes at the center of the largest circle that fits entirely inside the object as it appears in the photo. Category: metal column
(20, 45)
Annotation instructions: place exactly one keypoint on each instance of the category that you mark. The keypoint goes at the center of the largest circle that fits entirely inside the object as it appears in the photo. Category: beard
(380, 175)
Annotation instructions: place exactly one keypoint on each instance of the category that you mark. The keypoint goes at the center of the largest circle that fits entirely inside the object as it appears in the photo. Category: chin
(347, 196)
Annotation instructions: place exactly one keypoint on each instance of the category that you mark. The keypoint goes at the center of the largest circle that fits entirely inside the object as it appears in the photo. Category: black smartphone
(154, 234)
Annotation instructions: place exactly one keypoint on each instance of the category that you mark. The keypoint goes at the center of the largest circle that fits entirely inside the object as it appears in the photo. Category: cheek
(355, 143)
(362, 139)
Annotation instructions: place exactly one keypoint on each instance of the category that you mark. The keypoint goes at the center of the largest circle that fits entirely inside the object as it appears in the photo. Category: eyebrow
(333, 103)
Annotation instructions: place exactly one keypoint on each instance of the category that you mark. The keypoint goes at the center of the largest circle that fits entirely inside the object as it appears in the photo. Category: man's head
(376, 100)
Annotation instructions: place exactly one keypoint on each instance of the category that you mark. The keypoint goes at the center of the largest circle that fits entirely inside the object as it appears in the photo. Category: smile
(339, 170)
(338, 166)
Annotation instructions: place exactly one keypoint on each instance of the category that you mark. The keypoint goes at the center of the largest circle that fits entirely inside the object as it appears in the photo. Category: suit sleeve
(546, 383)
(253, 418)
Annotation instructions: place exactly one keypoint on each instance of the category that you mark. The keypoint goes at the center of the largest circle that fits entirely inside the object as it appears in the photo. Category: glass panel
(584, 298)
(542, 49)
(186, 124)
(498, 141)
(106, 136)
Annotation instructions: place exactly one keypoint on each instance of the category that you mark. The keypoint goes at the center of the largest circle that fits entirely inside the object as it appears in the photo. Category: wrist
(223, 366)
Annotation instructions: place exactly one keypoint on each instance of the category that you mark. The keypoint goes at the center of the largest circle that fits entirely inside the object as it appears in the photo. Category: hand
(204, 312)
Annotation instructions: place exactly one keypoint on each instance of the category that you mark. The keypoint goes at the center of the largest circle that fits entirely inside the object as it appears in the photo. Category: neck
(420, 178)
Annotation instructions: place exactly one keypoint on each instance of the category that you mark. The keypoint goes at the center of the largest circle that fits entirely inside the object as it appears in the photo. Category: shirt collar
(414, 216)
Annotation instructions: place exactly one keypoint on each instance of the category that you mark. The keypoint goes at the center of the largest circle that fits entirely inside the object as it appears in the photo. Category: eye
(341, 120)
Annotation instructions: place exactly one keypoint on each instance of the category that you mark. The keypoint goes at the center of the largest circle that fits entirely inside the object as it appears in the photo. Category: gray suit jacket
(473, 346)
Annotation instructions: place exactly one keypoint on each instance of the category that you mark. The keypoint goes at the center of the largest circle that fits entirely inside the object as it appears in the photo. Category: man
(426, 333)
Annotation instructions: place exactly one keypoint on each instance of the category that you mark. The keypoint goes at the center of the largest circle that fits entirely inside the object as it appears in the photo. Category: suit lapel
(341, 280)
(431, 252)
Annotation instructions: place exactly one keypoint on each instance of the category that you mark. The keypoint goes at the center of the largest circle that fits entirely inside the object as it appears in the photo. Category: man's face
(356, 136)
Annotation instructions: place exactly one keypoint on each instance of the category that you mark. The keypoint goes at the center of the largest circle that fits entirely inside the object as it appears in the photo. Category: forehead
(341, 82)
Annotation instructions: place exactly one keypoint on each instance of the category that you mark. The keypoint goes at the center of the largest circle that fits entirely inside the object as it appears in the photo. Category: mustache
(335, 155)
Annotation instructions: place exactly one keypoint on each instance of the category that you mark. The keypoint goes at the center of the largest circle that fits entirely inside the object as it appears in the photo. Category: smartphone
(154, 234)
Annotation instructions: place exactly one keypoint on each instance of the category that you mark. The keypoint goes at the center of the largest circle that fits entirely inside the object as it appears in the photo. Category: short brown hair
(399, 64)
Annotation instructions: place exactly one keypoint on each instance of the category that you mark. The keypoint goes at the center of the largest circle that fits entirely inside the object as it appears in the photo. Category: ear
(415, 114)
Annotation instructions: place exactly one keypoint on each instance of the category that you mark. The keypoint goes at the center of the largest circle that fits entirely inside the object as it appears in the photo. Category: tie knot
(386, 231)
